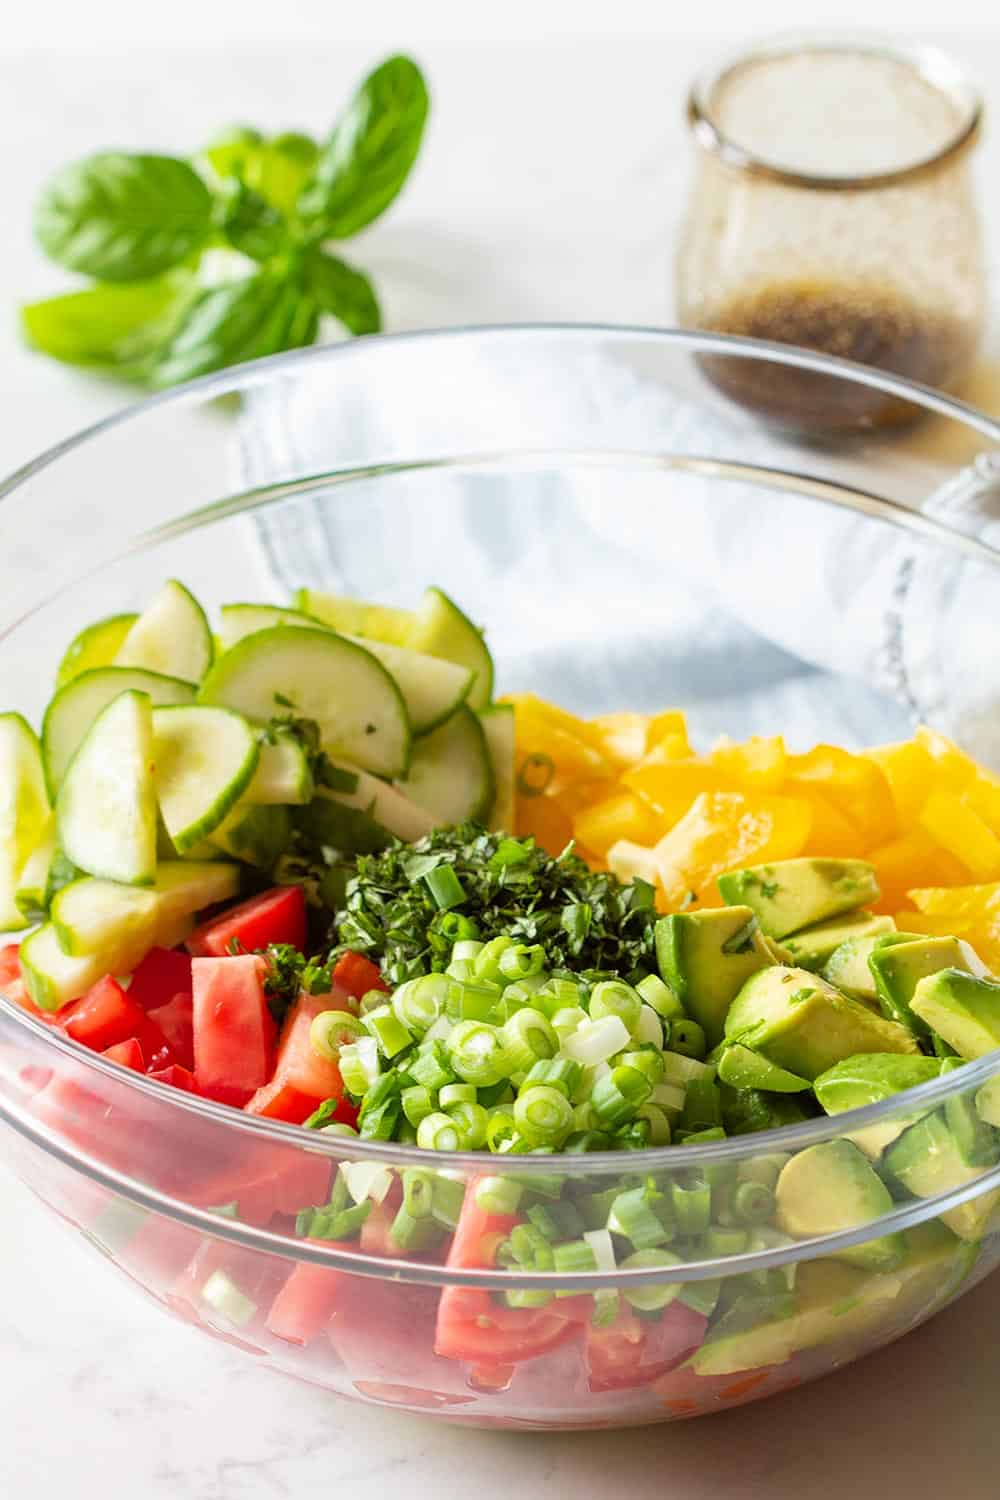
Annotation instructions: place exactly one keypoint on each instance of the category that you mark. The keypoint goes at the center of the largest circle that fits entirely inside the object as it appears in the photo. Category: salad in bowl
(465, 1054)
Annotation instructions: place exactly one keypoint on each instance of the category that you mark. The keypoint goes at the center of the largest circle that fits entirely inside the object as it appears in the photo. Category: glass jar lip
(931, 64)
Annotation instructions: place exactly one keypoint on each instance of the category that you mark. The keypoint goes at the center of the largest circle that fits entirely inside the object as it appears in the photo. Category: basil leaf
(368, 158)
(112, 327)
(124, 218)
(343, 292)
(261, 314)
(251, 225)
(275, 169)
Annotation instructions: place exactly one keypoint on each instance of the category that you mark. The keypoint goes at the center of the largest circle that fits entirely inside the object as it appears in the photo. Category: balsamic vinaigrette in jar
(834, 211)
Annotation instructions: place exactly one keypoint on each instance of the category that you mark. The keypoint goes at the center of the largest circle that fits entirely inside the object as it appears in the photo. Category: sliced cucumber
(441, 629)
(102, 917)
(75, 707)
(317, 675)
(32, 886)
(451, 775)
(255, 834)
(96, 646)
(106, 808)
(205, 759)
(239, 620)
(171, 636)
(498, 727)
(184, 887)
(24, 811)
(386, 804)
(432, 689)
(51, 976)
(283, 773)
(376, 622)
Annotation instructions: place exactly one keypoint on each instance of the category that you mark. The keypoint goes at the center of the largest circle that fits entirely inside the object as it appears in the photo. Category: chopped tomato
(176, 1021)
(686, 1394)
(357, 975)
(10, 964)
(375, 1236)
(177, 1077)
(162, 974)
(106, 1015)
(127, 1055)
(383, 1331)
(301, 1076)
(266, 1181)
(233, 1028)
(254, 1276)
(277, 916)
(306, 1302)
(635, 1350)
(471, 1325)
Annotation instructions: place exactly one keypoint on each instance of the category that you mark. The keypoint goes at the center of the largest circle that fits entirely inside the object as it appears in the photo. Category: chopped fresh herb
(335, 778)
(741, 941)
(291, 974)
(282, 701)
(323, 1115)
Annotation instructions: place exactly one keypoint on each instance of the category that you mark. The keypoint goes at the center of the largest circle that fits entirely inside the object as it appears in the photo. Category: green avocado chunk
(748, 1111)
(847, 967)
(743, 1069)
(927, 1160)
(988, 1102)
(813, 946)
(962, 1007)
(705, 956)
(867, 1079)
(832, 1187)
(898, 968)
(799, 1021)
(796, 893)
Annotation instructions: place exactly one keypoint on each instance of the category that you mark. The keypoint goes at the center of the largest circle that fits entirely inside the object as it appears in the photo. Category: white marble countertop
(550, 189)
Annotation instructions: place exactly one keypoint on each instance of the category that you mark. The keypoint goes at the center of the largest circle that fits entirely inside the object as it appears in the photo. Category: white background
(552, 186)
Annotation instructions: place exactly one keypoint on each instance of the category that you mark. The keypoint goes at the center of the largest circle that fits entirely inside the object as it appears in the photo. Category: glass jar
(834, 209)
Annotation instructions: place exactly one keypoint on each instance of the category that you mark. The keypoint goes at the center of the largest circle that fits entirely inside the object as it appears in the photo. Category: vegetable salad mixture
(308, 866)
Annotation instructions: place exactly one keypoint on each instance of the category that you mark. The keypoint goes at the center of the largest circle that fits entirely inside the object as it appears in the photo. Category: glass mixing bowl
(629, 540)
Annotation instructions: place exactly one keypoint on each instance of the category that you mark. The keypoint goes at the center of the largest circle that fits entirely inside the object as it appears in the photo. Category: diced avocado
(978, 1143)
(847, 967)
(705, 957)
(898, 969)
(831, 1303)
(961, 1007)
(747, 1111)
(832, 1187)
(743, 1069)
(988, 1102)
(926, 1161)
(811, 947)
(796, 893)
(803, 1024)
(867, 1079)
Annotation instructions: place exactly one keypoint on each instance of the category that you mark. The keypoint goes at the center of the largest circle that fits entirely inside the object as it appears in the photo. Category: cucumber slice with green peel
(106, 808)
(451, 774)
(24, 811)
(184, 887)
(75, 707)
(386, 804)
(205, 759)
(283, 775)
(239, 620)
(96, 645)
(498, 727)
(255, 834)
(441, 629)
(432, 688)
(92, 916)
(53, 978)
(32, 886)
(318, 675)
(376, 622)
(171, 636)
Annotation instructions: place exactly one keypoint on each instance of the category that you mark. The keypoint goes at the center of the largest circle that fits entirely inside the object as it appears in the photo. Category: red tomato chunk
(233, 1028)
(277, 916)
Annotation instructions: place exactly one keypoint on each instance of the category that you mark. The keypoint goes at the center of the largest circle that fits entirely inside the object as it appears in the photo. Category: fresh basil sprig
(140, 225)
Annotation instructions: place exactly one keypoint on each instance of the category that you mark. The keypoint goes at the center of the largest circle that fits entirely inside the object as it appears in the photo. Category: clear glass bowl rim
(598, 1164)
(932, 64)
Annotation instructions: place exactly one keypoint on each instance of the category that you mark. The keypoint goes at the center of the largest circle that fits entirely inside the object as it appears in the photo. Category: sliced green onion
(607, 1306)
(567, 1021)
(457, 1093)
(418, 1102)
(603, 1248)
(340, 1226)
(659, 1125)
(692, 1206)
(388, 1030)
(669, 1097)
(447, 1200)
(371, 1000)
(585, 1117)
(617, 1097)
(543, 1115)
(414, 1235)
(650, 1028)
(651, 1298)
(530, 1247)
(752, 1203)
(366, 1179)
(333, 1029)
(679, 1069)
(445, 887)
(632, 1216)
(526, 1297)
(338, 1127)
(472, 1121)
(765, 1168)
(462, 969)
(222, 1294)
(419, 1002)
(466, 950)
(587, 1140)
(457, 928)
(528, 1037)
(648, 1061)
(500, 1129)
(359, 1066)
(418, 1192)
(720, 1242)
(560, 1073)
(702, 1106)
(661, 997)
(478, 1053)
(701, 1296)
(498, 1195)
(613, 997)
(487, 961)
(472, 1000)
(576, 1255)
(431, 1067)
(596, 1041)
(688, 1038)
(438, 1132)
(521, 961)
